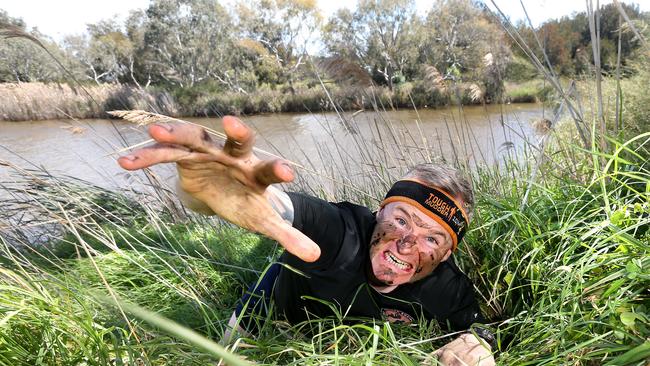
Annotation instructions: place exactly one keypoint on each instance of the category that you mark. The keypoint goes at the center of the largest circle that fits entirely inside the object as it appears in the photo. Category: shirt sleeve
(450, 299)
(323, 223)
(467, 311)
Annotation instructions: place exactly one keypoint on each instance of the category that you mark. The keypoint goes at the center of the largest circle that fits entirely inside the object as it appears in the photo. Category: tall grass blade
(181, 332)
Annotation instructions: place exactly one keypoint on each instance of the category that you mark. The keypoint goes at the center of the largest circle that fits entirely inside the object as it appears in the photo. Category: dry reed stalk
(630, 24)
(345, 71)
(545, 69)
(594, 29)
(434, 78)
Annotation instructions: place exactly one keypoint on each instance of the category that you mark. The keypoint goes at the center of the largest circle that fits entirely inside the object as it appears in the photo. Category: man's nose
(406, 243)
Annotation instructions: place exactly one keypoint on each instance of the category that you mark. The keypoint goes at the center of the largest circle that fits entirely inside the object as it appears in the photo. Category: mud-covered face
(406, 245)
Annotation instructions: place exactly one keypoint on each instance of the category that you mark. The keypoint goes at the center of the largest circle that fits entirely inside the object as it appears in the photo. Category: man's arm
(474, 348)
(227, 179)
(279, 200)
(456, 305)
(281, 204)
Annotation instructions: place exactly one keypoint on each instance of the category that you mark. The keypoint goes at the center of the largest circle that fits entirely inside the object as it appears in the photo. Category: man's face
(406, 245)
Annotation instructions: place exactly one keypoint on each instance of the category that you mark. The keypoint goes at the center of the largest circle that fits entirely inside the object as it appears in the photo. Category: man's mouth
(390, 258)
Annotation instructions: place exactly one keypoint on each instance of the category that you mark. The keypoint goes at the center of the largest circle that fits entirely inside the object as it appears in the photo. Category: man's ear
(447, 255)
(381, 208)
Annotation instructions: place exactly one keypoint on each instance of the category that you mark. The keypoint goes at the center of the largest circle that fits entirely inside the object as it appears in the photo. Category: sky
(59, 18)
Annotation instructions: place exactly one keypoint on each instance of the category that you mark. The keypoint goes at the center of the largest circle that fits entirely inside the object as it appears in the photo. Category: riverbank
(39, 101)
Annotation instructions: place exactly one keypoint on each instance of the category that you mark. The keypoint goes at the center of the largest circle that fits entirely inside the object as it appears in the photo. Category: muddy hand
(466, 350)
(229, 179)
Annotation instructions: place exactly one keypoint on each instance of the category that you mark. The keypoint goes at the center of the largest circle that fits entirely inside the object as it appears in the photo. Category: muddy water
(325, 144)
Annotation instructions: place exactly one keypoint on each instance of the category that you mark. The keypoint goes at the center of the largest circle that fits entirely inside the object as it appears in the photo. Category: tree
(187, 42)
(382, 35)
(284, 28)
(106, 52)
(609, 31)
(23, 60)
(567, 41)
(465, 46)
(560, 42)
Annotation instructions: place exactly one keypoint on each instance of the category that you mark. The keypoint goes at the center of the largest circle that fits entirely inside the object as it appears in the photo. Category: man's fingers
(240, 137)
(190, 136)
(273, 171)
(157, 154)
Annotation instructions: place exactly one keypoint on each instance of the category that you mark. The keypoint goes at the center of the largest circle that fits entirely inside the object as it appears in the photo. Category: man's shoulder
(299, 198)
(446, 277)
(451, 267)
(355, 209)
(341, 229)
(364, 219)
(445, 292)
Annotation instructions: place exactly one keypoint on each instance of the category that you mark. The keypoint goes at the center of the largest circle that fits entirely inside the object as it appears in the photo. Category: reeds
(40, 101)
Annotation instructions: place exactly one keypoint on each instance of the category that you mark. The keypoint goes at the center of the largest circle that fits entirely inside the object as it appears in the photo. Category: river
(323, 143)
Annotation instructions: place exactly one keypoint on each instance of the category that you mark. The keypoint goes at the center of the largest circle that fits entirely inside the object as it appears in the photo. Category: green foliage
(520, 70)
(241, 48)
(383, 36)
(636, 100)
(567, 43)
(425, 96)
(190, 272)
(106, 53)
(563, 274)
(23, 60)
(182, 289)
(45, 322)
(465, 45)
(529, 92)
(278, 32)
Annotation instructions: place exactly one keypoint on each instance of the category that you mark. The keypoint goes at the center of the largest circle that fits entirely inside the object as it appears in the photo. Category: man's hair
(447, 178)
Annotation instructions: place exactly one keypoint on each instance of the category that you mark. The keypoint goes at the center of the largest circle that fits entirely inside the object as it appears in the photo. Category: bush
(520, 70)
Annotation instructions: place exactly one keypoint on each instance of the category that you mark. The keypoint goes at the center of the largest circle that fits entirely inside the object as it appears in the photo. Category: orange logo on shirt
(396, 316)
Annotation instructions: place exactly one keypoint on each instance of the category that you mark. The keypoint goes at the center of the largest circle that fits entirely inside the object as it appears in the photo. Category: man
(394, 265)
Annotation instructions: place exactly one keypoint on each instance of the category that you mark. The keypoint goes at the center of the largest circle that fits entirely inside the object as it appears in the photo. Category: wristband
(486, 335)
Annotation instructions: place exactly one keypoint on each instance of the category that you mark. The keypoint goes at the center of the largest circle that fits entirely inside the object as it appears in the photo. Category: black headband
(433, 202)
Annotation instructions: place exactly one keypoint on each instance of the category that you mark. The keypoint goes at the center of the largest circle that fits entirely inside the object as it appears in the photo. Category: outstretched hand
(466, 350)
(228, 178)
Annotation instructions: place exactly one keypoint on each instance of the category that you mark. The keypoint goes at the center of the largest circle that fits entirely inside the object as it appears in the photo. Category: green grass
(566, 278)
(532, 91)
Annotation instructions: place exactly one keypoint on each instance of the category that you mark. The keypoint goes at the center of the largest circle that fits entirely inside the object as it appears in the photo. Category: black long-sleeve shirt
(339, 277)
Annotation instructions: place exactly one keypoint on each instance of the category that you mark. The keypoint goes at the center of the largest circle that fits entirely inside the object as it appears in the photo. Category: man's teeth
(398, 263)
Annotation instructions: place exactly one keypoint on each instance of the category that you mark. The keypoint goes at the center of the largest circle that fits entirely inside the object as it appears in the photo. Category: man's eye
(401, 221)
(432, 240)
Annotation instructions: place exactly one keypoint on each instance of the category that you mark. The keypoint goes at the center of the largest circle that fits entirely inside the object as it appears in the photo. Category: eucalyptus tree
(22, 60)
(188, 41)
(105, 53)
(383, 36)
(465, 45)
(278, 32)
